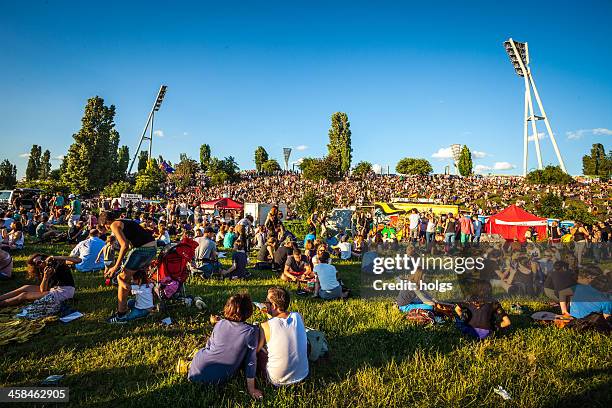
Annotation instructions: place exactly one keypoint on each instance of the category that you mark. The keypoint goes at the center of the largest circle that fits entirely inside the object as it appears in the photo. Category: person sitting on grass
(327, 286)
(54, 276)
(281, 255)
(297, 267)
(265, 255)
(285, 356)
(239, 263)
(141, 305)
(88, 251)
(107, 253)
(229, 238)
(15, 239)
(591, 295)
(46, 231)
(408, 300)
(478, 316)
(345, 249)
(232, 344)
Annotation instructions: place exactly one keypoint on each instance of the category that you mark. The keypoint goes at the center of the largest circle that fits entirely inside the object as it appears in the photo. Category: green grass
(377, 359)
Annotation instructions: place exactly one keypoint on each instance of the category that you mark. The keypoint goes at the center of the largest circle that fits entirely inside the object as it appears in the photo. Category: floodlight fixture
(518, 52)
(456, 152)
(160, 97)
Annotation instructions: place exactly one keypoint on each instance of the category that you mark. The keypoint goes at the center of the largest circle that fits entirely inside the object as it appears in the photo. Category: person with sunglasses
(54, 276)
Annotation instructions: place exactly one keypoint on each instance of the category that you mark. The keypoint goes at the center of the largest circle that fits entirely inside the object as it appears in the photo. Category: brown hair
(238, 307)
(34, 272)
(279, 297)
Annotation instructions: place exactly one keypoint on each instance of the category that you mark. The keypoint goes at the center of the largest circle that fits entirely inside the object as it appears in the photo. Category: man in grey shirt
(206, 258)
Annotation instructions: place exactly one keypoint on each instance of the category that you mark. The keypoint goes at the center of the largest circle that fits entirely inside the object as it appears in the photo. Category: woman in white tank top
(285, 336)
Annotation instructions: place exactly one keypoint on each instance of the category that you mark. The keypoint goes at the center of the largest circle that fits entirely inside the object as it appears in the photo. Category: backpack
(317, 344)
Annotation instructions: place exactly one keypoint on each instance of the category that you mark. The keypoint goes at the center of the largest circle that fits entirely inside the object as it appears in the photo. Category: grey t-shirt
(205, 250)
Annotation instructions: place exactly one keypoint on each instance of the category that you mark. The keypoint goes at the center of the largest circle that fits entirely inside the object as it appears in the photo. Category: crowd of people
(123, 242)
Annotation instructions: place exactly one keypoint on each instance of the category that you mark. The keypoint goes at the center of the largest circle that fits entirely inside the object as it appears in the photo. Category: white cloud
(479, 155)
(60, 157)
(481, 168)
(298, 161)
(443, 153)
(24, 155)
(301, 148)
(377, 168)
(503, 166)
(158, 133)
(578, 134)
(541, 135)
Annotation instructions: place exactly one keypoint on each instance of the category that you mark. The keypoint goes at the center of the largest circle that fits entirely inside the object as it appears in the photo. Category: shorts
(334, 293)
(140, 258)
(62, 293)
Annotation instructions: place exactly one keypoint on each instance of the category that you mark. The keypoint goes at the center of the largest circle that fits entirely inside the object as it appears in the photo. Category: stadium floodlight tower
(456, 152)
(519, 56)
(149, 126)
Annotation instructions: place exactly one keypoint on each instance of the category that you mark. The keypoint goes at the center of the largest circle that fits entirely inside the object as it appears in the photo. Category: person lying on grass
(143, 250)
(327, 286)
(233, 343)
(285, 356)
(478, 316)
(54, 276)
(297, 267)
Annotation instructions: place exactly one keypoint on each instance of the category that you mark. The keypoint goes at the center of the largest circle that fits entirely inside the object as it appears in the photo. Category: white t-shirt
(327, 276)
(431, 226)
(143, 295)
(287, 350)
(414, 220)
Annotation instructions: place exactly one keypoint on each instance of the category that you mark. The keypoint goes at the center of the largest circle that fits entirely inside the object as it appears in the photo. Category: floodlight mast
(519, 57)
(456, 152)
(149, 126)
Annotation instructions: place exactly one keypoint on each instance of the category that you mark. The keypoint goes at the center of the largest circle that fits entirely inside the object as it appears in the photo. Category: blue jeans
(429, 236)
(135, 313)
(449, 238)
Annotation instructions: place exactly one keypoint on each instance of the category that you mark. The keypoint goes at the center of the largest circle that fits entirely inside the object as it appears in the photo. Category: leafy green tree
(116, 189)
(270, 166)
(150, 180)
(123, 161)
(578, 211)
(320, 169)
(362, 169)
(91, 162)
(465, 162)
(8, 175)
(551, 206)
(549, 175)
(311, 202)
(221, 171)
(261, 156)
(204, 157)
(143, 159)
(185, 171)
(45, 166)
(597, 164)
(414, 167)
(33, 169)
(339, 146)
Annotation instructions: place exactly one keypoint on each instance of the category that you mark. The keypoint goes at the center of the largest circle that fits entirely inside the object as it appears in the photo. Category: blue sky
(413, 77)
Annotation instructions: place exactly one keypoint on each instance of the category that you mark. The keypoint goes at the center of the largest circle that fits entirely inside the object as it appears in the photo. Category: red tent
(222, 204)
(513, 222)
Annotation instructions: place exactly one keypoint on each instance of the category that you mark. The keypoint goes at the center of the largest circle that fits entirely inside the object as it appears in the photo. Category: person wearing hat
(75, 210)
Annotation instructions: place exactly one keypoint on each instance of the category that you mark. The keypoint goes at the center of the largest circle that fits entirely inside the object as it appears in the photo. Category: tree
(311, 202)
(45, 166)
(270, 166)
(320, 169)
(598, 164)
(91, 162)
(33, 169)
(551, 206)
(220, 171)
(123, 161)
(261, 156)
(339, 146)
(362, 169)
(185, 171)
(549, 175)
(8, 175)
(414, 167)
(143, 159)
(149, 181)
(465, 162)
(116, 189)
(204, 156)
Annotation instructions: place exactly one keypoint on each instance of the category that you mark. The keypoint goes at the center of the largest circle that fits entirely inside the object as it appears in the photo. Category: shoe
(117, 319)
